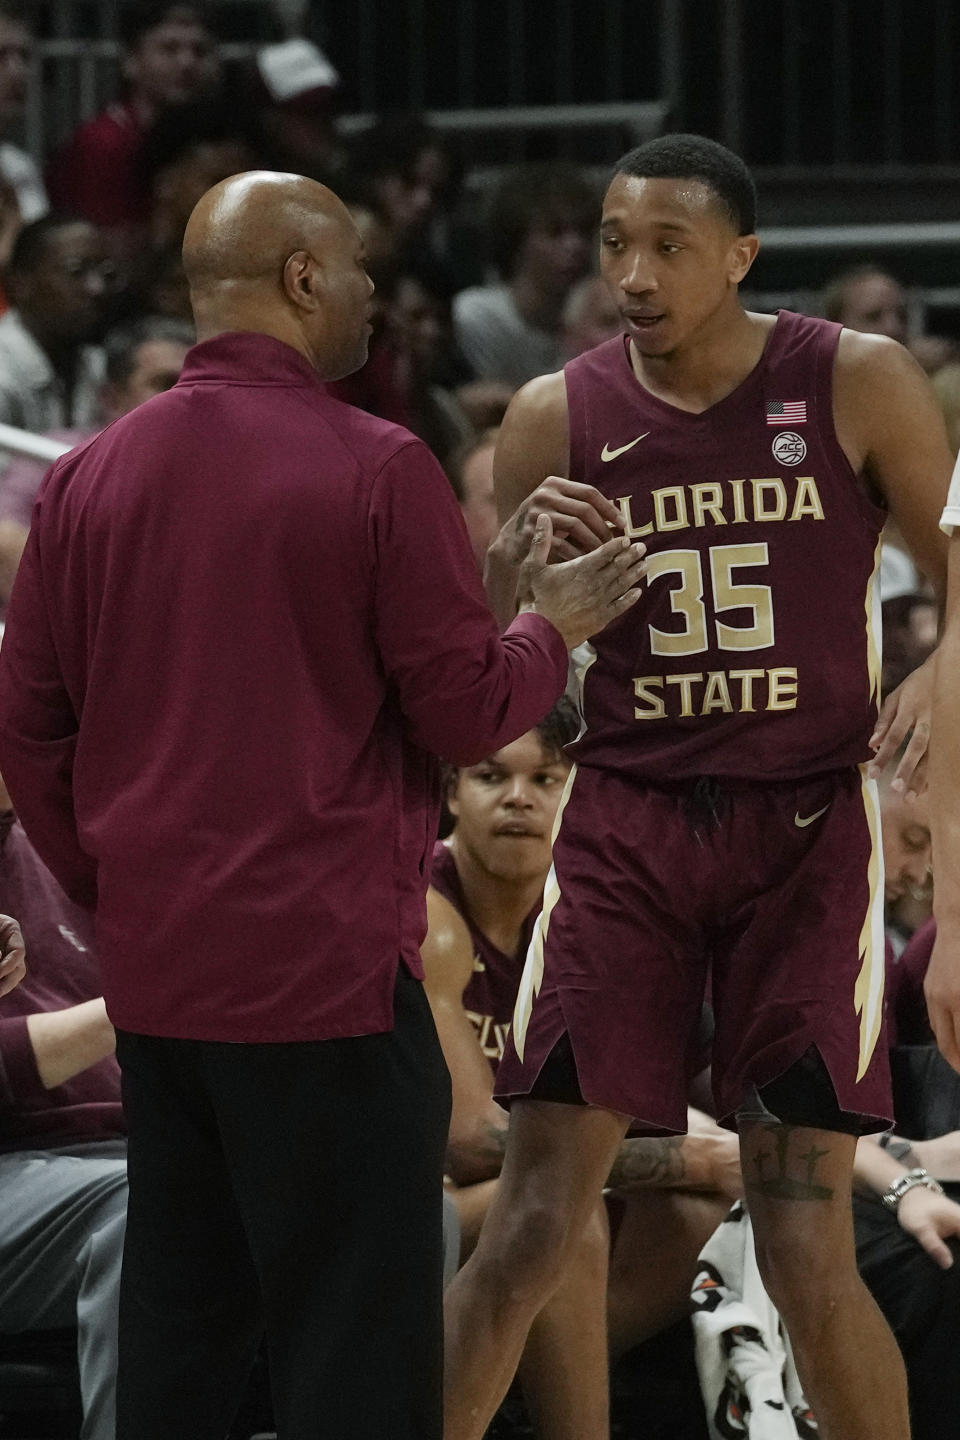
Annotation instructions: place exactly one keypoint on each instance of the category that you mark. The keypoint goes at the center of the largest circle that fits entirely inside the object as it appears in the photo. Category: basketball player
(486, 891)
(720, 816)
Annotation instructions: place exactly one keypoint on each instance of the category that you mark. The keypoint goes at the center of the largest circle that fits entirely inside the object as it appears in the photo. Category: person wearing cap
(294, 90)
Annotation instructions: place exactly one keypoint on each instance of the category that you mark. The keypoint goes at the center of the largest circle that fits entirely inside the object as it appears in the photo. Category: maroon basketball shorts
(771, 895)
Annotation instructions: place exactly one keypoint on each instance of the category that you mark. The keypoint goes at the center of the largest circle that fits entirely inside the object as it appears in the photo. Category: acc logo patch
(789, 448)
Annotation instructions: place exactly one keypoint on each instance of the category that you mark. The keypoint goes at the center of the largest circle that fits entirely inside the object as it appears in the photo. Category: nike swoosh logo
(810, 818)
(607, 454)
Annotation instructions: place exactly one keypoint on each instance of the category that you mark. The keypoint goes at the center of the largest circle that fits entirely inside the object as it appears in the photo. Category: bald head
(280, 254)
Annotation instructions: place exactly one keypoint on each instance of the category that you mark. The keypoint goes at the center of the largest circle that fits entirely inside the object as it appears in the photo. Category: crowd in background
(471, 301)
(470, 304)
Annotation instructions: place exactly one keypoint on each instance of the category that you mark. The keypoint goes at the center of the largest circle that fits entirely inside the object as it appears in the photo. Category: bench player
(486, 892)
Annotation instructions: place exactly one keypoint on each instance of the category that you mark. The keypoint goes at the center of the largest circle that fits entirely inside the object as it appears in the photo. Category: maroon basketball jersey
(755, 650)
(492, 992)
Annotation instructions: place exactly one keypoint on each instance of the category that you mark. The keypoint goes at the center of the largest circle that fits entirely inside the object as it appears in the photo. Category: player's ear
(301, 280)
(450, 780)
(743, 252)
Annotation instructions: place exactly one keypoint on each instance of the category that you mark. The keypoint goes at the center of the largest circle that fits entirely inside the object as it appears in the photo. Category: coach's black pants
(293, 1189)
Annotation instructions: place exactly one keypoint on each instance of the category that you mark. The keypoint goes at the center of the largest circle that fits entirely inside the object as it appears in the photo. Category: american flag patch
(786, 412)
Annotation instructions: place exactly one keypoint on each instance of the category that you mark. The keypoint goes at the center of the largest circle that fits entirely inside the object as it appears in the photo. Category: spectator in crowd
(293, 90)
(63, 1168)
(418, 325)
(23, 198)
(141, 361)
(867, 298)
(405, 171)
(933, 352)
(168, 58)
(589, 316)
(542, 223)
(61, 285)
(161, 285)
(909, 633)
(190, 149)
(470, 472)
(946, 383)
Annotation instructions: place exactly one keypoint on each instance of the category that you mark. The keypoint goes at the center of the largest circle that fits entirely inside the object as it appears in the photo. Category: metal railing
(36, 447)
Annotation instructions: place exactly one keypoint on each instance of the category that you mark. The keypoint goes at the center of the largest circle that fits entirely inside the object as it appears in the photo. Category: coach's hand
(580, 596)
(12, 955)
(582, 520)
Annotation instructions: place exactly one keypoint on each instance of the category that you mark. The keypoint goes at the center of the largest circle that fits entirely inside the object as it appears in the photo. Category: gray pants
(62, 1215)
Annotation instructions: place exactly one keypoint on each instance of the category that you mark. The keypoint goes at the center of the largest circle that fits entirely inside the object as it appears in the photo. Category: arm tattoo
(649, 1164)
(780, 1172)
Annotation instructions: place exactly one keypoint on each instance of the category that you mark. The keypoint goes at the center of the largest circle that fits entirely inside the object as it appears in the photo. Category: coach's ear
(301, 274)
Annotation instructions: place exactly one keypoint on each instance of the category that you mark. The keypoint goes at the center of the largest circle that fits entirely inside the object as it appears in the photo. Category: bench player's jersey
(755, 650)
(492, 990)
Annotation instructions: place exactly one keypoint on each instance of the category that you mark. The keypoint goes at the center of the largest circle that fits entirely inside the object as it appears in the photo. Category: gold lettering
(782, 691)
(724, 560)
(660, 498)
(807, 499)
(707, 500)
(746, 678)
(717, 694)
(760, 489)
(686, 683)
(739, 504)
(489, 1034)
(633, 531)
(641, 689)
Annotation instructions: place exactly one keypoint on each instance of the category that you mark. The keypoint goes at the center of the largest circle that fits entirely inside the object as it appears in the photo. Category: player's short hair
(556, 730)
(136, 19)
(122, 344)
(694, 157)
(834, 296)
(530, 196)
(30, 246)
(559, 728)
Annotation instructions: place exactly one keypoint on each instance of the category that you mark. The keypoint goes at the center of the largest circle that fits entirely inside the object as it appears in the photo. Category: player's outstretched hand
(931, 1219)
(941, 987)
(12, 955)
(905, 710)
(580, 596)
(581, 517)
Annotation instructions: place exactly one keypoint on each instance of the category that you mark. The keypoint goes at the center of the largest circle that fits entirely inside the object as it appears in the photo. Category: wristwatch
(892, 1196)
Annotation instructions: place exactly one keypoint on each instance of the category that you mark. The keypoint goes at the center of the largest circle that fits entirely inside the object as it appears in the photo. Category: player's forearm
(875, 1169)
(67, 1041)
(673, 1162)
